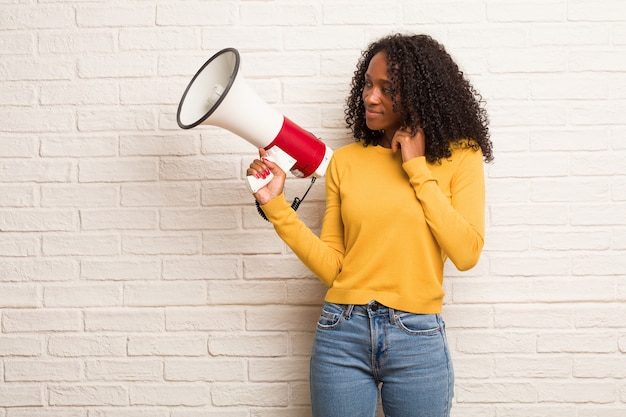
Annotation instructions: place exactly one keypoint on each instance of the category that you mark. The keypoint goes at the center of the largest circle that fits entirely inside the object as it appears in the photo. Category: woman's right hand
(260, 168)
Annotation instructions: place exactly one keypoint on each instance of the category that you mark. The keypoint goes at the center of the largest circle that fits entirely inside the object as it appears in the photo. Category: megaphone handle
(255, 184)
(279, 157)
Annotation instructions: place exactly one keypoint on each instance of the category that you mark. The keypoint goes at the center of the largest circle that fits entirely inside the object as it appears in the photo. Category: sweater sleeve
(322, 255)
(457, 221)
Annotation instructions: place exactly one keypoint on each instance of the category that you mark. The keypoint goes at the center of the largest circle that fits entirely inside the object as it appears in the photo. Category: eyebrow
(383, 80)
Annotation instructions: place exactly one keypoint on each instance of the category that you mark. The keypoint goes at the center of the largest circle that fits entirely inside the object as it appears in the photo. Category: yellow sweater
(389, 226)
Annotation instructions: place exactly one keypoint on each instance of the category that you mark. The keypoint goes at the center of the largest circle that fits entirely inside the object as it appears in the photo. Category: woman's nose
(371, 96)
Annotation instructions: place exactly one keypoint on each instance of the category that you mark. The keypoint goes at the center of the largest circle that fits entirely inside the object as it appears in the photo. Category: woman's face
(377, 97)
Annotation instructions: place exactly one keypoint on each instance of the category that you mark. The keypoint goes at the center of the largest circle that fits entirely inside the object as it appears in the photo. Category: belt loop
(347, 312)
(392, 316)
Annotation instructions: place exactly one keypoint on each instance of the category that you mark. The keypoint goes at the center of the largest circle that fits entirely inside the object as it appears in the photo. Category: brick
(571, 342)
(157, 145)
(264, 266)
(161, 245)
(248, 344)
(21, 195)
(534, 367)
(47, 412)
(74, 346)
(580, 10)
(117, 171)
(38, 270)
(120, 269)
(173, 194)
(534, 11)
(74, 42)
(124, 219)
(210, 370)
(191, 395)
(577, 392)
(437, 12)
(88, 395)
(120, 120)
(41, 320)
(246, 292)
(244, 242)
(124, 370)
(256, 394)
(17, 43)
(199, 169)
(81, 93)
(165, 294)
(21, 395)
(282, 318)
(88, 195)
(204, 319)
(262, 14)
(23, 346)
(107, 16)
(496, 392)
(205, 267)
(125, 320)
(491, 342)
(17, 95)
(579, 288)
(35, 171)
(43, 370)
(194, 14)
(282, 369)
(81, 245)
(213, 218)
(80, 146)
(17, 296)
(82, 295)
(120, 65)
(27, 68)
(168, 345)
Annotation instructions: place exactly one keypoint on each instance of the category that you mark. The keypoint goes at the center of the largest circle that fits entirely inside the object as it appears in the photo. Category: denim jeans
(359, 348)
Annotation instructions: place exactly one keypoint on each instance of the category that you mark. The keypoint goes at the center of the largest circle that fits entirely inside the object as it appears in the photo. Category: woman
(406, 196)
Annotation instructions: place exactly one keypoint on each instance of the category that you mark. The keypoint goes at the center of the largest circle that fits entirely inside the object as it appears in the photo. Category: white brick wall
(136, 278)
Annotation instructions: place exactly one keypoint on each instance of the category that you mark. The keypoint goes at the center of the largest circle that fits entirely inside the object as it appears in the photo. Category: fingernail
(267, 171)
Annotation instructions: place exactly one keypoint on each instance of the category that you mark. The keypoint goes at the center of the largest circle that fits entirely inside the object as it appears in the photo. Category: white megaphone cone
(218, 95)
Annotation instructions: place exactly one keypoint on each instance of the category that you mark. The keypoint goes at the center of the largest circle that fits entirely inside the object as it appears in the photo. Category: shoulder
(465, 149)
(350, 149)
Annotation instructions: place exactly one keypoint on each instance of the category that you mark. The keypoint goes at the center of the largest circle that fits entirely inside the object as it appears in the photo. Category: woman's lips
(372, 114)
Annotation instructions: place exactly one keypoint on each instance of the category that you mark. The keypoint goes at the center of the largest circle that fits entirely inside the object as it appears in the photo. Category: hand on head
(411, 146)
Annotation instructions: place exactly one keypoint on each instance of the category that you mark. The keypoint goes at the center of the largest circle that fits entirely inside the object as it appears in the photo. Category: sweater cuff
(417, 168)
(276, 208)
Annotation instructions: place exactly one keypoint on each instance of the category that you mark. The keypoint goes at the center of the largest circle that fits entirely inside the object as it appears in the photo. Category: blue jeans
(359, 348)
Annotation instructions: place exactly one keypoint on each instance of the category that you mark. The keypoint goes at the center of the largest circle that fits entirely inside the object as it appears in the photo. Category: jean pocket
(418, 324)
(331, 316)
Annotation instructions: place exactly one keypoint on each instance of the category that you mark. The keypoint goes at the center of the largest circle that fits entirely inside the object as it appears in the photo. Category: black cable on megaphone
(218, 95)
(294, 205)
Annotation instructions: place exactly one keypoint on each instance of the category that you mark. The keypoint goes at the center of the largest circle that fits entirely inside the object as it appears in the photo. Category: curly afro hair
(429, 90)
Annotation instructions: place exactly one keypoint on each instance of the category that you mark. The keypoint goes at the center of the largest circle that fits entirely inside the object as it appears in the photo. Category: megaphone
(218, 95)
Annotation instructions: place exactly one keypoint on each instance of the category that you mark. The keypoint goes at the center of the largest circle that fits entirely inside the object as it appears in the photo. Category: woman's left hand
(411, 146)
